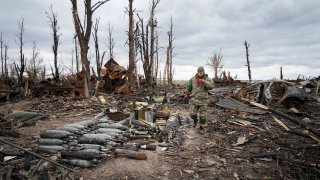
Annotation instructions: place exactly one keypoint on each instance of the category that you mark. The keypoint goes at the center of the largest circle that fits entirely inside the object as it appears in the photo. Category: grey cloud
(280, 32)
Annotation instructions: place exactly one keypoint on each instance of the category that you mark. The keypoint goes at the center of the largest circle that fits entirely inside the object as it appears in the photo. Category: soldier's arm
(208, 83)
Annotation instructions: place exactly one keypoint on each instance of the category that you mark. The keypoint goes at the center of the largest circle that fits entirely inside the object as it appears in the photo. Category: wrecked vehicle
(277, 92)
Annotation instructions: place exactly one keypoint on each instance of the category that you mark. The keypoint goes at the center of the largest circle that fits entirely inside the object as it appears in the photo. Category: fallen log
(296, 132)
(290, 118)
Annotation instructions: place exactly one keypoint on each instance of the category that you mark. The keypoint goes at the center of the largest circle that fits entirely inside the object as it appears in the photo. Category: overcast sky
(281, 33)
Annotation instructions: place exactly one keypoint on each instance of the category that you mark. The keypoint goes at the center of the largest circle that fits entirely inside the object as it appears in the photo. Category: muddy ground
(236, 145)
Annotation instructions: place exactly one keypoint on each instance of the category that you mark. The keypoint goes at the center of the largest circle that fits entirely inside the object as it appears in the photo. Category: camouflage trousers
(200, 110)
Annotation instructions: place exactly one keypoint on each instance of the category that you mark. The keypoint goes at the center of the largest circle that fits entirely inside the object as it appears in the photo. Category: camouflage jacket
(199, 92)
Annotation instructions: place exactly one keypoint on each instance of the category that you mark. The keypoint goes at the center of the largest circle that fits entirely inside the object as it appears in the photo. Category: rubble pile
(245, 139)
(115, 78)
(263, 130)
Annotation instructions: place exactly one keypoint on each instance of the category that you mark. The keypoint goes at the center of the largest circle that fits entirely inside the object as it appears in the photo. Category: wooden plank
(259, 105)
(102, 100)
(281, 123)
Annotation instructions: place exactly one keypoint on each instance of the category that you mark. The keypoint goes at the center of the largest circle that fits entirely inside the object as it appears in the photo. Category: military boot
(203, 125)
(195, 120)
(201, 130)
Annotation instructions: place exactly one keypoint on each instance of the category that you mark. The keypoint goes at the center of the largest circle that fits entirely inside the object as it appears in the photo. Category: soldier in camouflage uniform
(198, 87)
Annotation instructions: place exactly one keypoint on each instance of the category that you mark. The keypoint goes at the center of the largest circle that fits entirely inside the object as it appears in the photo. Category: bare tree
(111, 42)
(13, 71)
(281, 75)
(6, 47)
(56, 36)
(99, 61)
(152, 24)
(156, 64)
(215, 62)
(165, 72)
(72, 60)
(20, 68)
(43, 73)
(248, 62)
(1, 57)
(83, 34)
(76, 52)
(137, 51)
(170, 54)
(148, 55)
(131, 45)
(33, 68)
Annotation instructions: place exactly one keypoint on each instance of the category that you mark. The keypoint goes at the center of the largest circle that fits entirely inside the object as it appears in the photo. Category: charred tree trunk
(72, 61)
(43, 73)
(110, 42)
(160, 80)
(56, 36)
(76, 52)
(281, 75)
(2, 63)
(97, 51)
(152, 26)
(170, 54)
(34, 63)
(83, 34)
(131, 46)
(34, 57)
(165, 72)
(248, 62)
(137, 50)
(144, 50)
(6, 72)
(21, 67)
(156, 64)
(148, 60)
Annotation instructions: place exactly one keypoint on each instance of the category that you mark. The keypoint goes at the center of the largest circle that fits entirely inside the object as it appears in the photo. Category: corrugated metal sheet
(230, 103)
